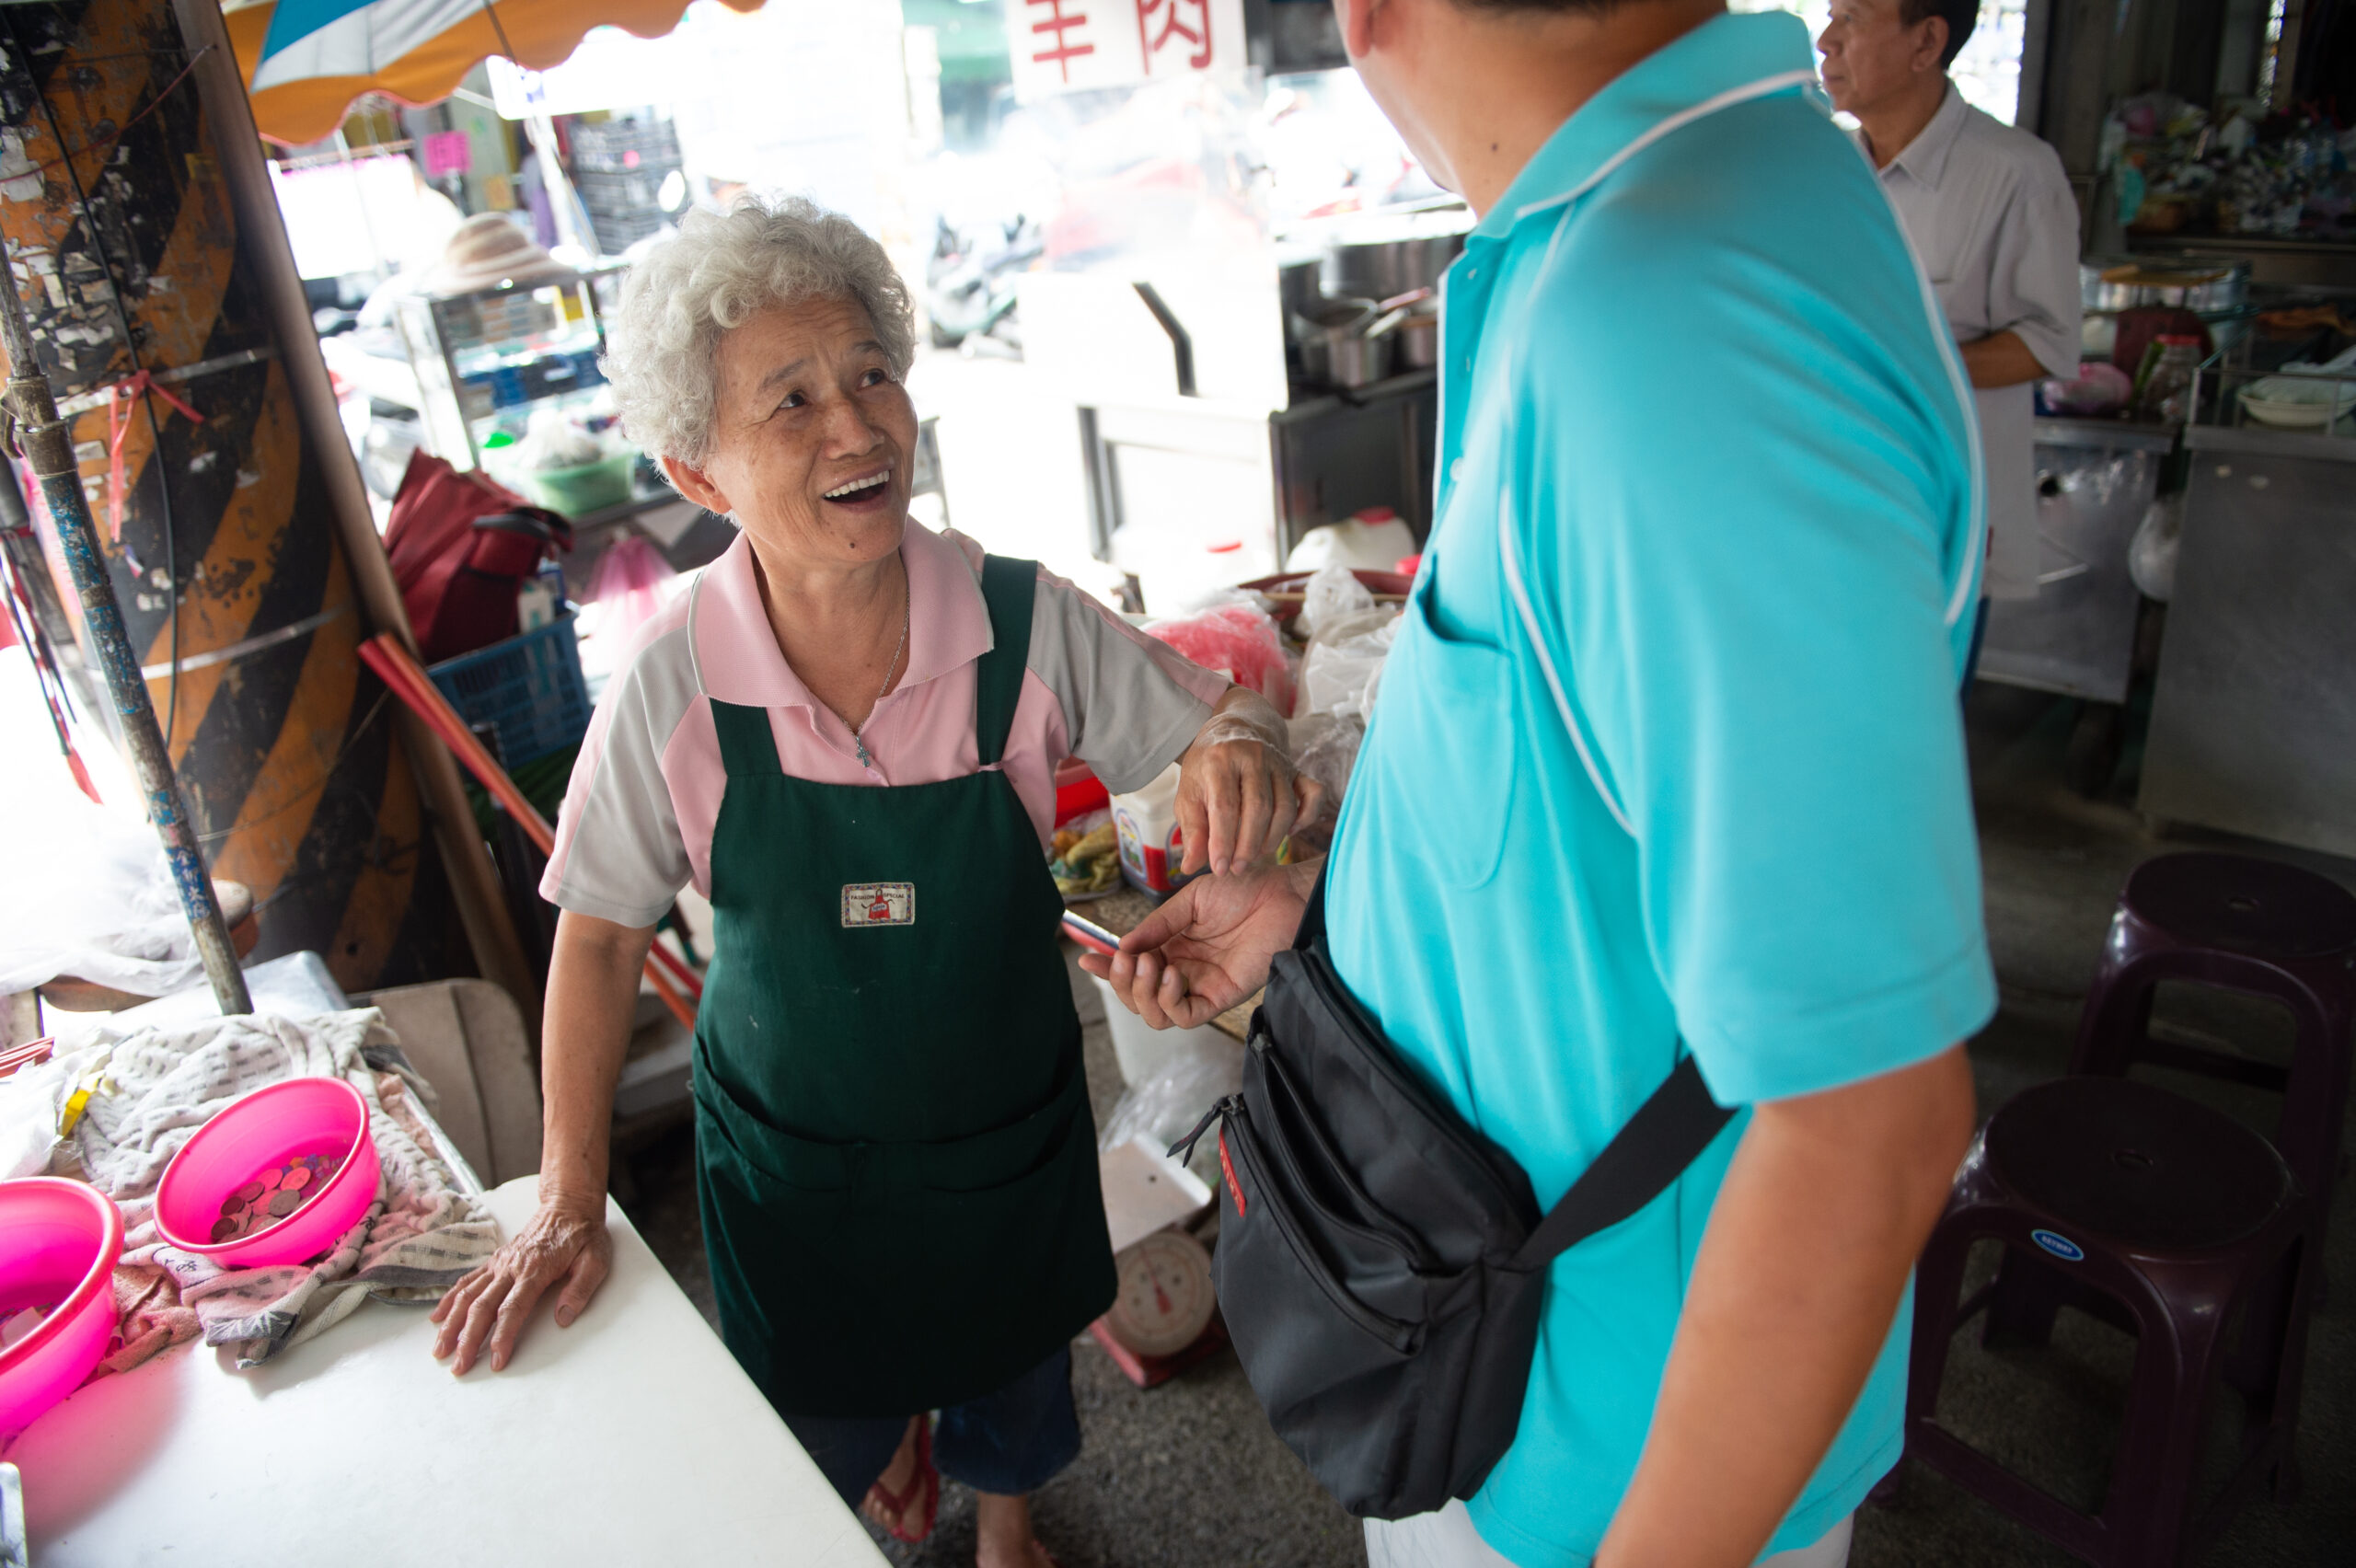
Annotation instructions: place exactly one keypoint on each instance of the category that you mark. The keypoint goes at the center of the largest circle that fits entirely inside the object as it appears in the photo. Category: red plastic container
(259, 1133)
(59, 1241)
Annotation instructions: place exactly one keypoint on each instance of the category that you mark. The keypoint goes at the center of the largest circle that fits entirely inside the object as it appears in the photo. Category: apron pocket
(879, 1295)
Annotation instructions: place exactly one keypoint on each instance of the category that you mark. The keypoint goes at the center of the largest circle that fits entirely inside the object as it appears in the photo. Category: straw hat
(487, 250)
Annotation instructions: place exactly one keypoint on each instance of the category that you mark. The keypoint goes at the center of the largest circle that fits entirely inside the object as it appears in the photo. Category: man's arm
(2000, 358)
(1829, 1200)
(2032, 284)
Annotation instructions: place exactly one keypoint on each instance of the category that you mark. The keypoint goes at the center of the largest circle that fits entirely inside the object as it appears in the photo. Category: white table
(630, 1437)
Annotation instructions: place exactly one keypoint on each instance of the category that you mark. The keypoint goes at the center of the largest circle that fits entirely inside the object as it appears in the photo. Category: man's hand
(1237, 795)
(488, 1309)
(1209, 947)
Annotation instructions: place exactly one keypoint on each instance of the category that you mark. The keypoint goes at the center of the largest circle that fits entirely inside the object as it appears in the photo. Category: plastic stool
(2154, 1213)
(2259, 928)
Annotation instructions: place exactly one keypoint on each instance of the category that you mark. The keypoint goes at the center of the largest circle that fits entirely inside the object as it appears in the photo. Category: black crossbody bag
(1381, 1264)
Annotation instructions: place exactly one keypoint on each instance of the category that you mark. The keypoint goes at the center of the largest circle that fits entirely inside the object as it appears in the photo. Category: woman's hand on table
(1208, 947)
(565, 1242)
(1238, 793)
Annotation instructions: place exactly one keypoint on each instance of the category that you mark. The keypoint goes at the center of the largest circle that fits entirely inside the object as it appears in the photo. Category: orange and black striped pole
(245, 587)
(47, 446)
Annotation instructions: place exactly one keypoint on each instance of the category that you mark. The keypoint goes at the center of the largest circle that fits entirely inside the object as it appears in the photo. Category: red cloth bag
(461, 547)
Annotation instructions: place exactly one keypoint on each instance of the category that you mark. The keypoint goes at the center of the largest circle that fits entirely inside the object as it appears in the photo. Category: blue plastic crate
(528, 687)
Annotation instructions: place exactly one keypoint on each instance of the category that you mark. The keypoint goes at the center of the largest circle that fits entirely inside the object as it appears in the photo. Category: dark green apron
(895, 1161)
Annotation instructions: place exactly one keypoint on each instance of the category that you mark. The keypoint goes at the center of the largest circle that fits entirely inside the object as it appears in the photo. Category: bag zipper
(1393, 1334)
(1184, 1150)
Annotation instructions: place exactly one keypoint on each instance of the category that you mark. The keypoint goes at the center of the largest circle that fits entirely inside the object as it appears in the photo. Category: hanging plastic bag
(628, 584)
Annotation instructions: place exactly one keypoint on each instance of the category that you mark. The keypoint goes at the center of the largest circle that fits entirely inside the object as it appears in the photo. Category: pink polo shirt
(638, 816)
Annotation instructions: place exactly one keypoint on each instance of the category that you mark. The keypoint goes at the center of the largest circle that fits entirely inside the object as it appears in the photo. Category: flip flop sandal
(926, 1482)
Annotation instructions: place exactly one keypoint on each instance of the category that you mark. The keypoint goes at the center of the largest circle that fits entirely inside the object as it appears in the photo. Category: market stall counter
(629, 1436)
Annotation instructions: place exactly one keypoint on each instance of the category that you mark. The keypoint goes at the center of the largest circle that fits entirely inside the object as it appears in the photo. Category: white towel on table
(423, 1231)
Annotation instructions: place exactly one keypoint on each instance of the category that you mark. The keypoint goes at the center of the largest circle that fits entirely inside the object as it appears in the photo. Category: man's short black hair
(1961, 16)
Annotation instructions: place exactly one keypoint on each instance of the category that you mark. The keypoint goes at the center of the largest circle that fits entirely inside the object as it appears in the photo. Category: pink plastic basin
(59, 1241)
(261, 1132)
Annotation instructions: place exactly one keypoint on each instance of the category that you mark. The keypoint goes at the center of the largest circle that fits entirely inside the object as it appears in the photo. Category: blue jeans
(1011, 1442)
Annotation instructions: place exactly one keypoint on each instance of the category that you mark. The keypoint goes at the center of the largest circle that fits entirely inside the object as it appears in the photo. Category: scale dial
(1165, 1299)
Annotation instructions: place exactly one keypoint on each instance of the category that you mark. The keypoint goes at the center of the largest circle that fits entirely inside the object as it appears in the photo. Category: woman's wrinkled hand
(1238, 793)
(488, 1308)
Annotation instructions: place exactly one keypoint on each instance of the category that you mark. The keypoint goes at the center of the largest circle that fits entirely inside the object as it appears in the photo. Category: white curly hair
(721, 269)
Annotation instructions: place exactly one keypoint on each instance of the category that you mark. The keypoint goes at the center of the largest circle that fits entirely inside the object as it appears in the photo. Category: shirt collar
(737, 658)
(1925, 157)
(1722, 56)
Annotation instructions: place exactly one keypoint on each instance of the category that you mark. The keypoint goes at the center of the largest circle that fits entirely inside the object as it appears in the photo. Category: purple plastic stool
(2259, 928)
(2159, 1214)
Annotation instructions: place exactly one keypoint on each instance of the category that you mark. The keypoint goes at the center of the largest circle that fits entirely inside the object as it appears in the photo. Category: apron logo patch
(879, 903)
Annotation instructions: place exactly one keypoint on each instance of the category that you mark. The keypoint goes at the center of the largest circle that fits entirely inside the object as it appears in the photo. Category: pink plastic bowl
(59, 1241)
(258, 1133)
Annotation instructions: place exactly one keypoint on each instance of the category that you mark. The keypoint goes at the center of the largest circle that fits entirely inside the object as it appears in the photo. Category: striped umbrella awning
(305, 60)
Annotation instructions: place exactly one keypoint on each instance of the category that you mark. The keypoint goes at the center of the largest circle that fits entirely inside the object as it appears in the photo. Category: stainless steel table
(2254, 718)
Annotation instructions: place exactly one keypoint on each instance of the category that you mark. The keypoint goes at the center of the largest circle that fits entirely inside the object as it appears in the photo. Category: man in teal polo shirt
(1668, 756)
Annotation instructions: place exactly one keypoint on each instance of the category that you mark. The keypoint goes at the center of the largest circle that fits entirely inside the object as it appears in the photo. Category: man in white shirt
(1990, 216)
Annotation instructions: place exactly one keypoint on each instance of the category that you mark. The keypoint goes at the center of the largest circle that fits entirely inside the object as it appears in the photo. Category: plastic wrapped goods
(1238, 638)
(1331, 592)
(1343, 670)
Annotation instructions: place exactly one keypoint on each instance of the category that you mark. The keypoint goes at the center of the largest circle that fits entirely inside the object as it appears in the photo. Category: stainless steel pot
(1379, 263)
(2178, 283)
(1334, 349)
(1418, 337)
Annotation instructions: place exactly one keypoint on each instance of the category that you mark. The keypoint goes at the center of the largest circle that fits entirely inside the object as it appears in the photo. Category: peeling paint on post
(297, 780)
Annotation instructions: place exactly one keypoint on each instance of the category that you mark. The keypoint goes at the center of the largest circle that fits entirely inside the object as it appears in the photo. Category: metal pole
(49, 444)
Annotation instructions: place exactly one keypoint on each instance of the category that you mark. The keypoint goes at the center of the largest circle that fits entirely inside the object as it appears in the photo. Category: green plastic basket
(578, 491)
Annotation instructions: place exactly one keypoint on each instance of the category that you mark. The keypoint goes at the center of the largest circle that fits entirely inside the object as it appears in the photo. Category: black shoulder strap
(1667, 1133)
(1010, 587)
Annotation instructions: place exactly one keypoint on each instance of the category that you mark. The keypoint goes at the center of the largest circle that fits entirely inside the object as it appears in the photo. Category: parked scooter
(969, 283)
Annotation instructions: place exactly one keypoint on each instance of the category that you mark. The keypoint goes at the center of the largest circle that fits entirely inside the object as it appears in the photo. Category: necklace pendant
(863, 760)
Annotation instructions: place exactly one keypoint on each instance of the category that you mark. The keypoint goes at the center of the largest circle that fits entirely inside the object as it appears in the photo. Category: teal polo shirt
(1669, 747)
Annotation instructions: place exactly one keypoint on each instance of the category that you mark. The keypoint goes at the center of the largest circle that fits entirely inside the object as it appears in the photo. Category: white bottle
(1151, 844)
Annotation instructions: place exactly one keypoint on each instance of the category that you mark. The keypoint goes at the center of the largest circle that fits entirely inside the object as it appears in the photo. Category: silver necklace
(858, 736)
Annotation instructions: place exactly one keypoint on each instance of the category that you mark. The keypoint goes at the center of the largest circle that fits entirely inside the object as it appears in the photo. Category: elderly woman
(845, 733)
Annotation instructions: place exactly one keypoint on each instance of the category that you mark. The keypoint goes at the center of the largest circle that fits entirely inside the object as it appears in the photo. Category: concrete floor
(1189, 1474)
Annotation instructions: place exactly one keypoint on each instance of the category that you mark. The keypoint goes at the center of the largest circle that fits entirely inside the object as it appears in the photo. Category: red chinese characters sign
(1060, 45)
(1185, 23)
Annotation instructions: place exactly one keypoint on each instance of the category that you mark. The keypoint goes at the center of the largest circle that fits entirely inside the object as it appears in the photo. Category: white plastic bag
(1164, 1107)
(92, 898)
(1331, 592)
(84, 888)
(2151, 554)
(1340, 676)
